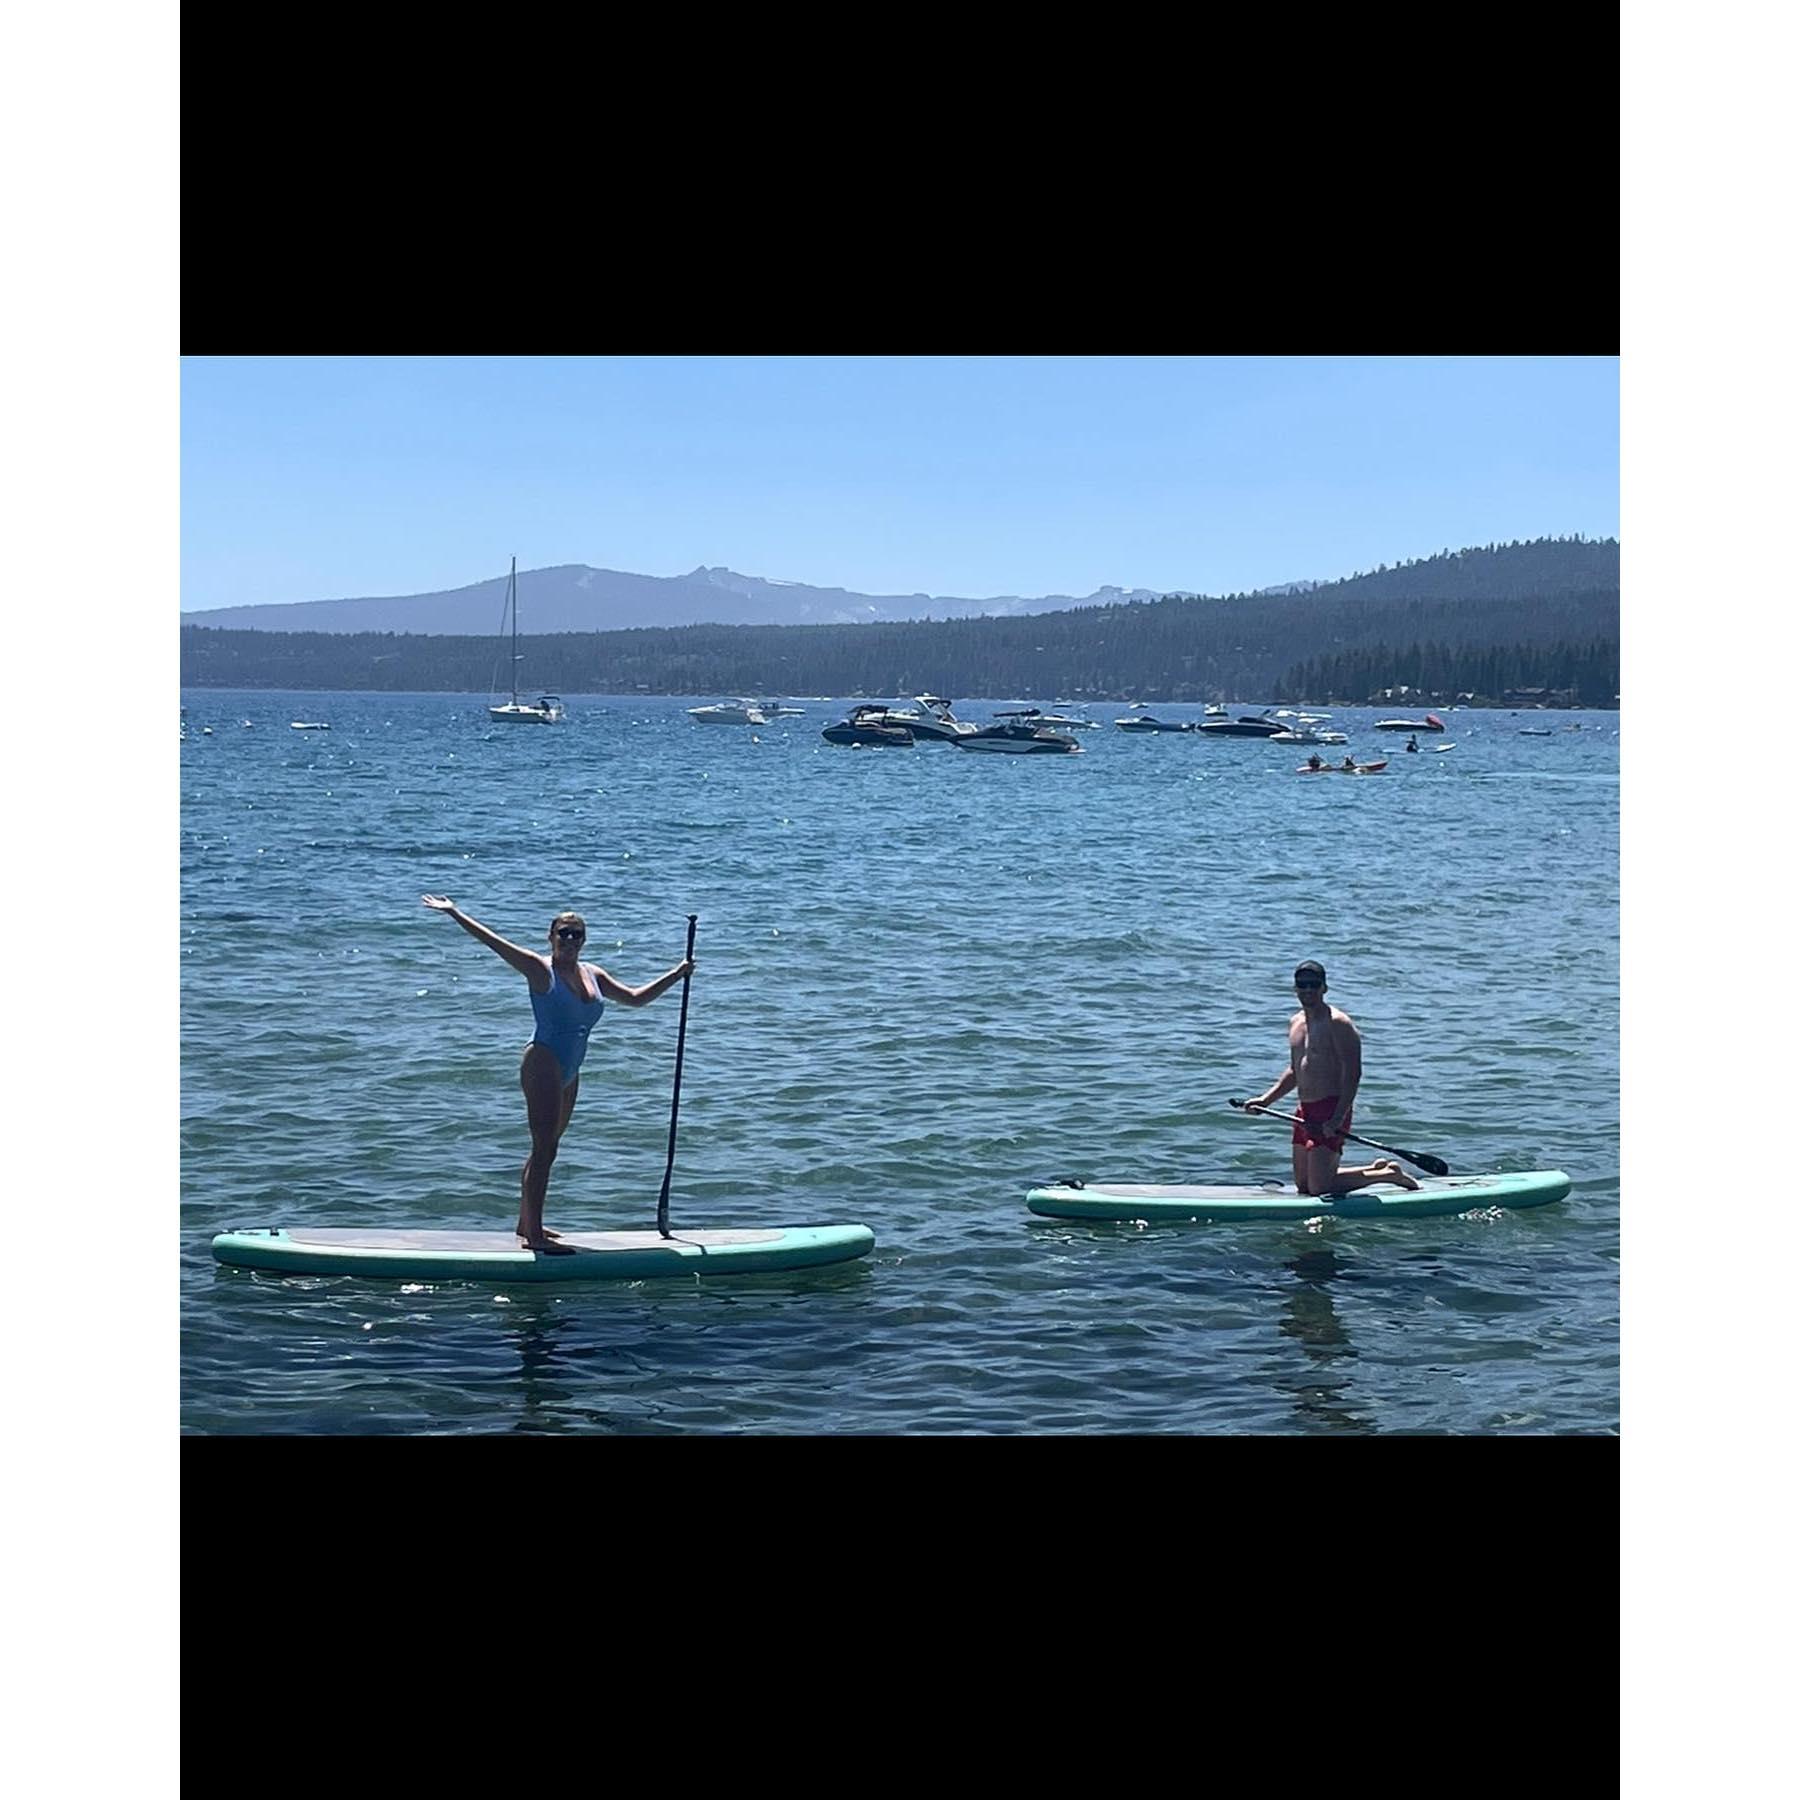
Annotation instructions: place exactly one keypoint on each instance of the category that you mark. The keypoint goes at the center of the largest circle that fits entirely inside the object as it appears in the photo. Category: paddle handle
(662, 1203)
(1432, 1165)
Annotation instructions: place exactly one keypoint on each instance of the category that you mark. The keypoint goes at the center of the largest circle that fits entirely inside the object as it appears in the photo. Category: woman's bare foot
(545, 1246)
(1389, 1170)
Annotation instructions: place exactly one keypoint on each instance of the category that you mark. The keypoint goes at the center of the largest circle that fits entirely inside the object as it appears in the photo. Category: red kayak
(1373, 768)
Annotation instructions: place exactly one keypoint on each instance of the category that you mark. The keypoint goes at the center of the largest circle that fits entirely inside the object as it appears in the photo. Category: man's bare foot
(1390, 1170)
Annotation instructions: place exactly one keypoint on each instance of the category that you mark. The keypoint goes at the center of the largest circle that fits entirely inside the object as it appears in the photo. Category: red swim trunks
(1311, 1135)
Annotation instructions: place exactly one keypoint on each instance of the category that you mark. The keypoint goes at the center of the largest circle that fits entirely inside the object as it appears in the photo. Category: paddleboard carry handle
(662, 1204)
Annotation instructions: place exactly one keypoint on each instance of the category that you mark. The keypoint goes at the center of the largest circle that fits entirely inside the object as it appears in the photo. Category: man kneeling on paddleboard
(1325, 1064)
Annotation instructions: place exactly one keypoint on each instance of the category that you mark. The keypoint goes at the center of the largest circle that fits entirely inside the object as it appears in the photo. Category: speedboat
(1068, 722)
(308, 725)
(866, 727)
(931, 721)
(1430, 722)
(1145, 722)
(1214, 710)
(1242, 726)
(773, 709)
(1019, 734)
(729, 712)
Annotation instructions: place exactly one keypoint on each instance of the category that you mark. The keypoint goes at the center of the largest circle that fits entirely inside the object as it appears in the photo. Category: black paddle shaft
(662, 1204)
(1432, 1165)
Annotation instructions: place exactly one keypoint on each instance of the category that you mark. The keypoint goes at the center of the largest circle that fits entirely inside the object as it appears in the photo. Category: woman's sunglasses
(566, 932)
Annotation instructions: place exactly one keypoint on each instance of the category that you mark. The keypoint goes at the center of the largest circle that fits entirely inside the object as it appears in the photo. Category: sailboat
(547, 709)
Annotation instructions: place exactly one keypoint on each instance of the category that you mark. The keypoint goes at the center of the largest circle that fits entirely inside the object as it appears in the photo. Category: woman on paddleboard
(567, 996)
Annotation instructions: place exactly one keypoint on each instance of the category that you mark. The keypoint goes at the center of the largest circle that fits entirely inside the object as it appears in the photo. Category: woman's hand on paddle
(439, 902)
(682, 970)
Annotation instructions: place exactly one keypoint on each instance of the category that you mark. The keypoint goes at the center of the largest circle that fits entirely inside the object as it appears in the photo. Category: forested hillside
(1445, 613)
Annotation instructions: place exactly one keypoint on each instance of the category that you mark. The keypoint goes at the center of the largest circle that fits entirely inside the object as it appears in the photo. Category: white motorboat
(729, 712)
(546, 709)
(773, 709)
(1214, 710)
(931, 721)
(308, 725)
(1145, 722)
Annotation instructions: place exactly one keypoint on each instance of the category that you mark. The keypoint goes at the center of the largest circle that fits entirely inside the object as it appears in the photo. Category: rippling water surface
(928, 980)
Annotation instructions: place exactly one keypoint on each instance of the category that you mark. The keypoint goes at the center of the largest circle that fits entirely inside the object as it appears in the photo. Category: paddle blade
(1432, 1165)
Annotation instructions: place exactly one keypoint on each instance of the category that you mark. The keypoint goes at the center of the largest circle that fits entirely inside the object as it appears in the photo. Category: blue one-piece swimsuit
(564, 1019)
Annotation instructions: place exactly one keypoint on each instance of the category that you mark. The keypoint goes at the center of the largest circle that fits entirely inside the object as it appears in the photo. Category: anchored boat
(729, 712)
(1018, 734)
(1245, 725)
(931, 721)
(546, 709)
(867, 727)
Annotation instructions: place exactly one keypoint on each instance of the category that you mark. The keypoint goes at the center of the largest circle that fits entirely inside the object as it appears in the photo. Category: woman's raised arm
(535, 968)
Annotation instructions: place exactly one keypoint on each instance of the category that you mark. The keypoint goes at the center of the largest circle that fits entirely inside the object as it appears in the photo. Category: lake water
(928, 980)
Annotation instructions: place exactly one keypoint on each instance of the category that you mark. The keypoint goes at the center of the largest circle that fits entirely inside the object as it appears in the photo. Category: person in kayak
(1325, 1064)
(1315, 761)
(1412, 743)
(567, 996)
(1349, 764)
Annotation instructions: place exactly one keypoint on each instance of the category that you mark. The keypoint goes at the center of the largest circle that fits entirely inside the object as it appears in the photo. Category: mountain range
(574, 597)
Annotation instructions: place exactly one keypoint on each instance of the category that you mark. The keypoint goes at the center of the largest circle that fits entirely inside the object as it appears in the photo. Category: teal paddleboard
(1435, 1196)
(497, 1255)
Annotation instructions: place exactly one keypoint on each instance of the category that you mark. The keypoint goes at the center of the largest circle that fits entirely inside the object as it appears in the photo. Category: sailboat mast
(512, 593)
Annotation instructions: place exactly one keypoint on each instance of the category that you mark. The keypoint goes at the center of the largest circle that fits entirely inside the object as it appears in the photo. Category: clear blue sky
(310, 478)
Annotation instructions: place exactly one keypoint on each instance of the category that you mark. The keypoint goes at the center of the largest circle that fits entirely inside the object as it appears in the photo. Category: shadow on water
(1309, 1316)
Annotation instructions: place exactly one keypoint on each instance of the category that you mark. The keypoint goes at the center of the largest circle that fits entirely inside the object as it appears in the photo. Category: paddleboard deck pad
(1435, 1197)
(498, 1255)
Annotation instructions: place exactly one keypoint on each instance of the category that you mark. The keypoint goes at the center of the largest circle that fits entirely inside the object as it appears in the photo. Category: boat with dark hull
(1242, 726)
(868, 727)
(1018, 734)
